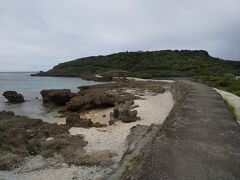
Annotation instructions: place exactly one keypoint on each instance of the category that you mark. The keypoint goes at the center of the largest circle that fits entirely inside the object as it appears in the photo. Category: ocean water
(30, 88)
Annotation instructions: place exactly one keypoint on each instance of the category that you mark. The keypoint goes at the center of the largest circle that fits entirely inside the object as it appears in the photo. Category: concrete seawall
(199, 140)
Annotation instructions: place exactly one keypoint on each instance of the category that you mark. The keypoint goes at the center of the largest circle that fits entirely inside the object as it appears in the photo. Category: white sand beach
(152, 110)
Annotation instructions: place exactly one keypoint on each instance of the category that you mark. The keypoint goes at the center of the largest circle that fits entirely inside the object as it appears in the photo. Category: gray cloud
(35, 35)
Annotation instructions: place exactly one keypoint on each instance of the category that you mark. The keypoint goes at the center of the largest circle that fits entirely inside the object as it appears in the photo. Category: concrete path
(201, 141)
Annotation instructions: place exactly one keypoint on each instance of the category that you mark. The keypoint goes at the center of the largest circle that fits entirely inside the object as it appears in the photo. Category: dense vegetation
(149, 64)
(227, 82)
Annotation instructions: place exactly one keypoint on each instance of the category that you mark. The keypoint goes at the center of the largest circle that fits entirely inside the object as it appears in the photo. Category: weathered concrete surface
(200, 141)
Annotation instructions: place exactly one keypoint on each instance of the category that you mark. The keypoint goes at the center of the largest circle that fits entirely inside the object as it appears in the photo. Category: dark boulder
(129, 116)
(124, 113)
(116, 113)
(112, 119)
(74, 120)
(13, 97)
(59, 97)
(86, 123)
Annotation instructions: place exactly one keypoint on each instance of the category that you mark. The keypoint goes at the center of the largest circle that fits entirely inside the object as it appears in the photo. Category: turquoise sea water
(30, 87)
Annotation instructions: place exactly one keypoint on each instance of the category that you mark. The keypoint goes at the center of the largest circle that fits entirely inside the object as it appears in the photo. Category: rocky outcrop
(58, 97)
(106, 95)
(84, 102)
(74, 120)
(124, 113)
(97, 96)
(21, 137)
(13, 97)
(128, 116)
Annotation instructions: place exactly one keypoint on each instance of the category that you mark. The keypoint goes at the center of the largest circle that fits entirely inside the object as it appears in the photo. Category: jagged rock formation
(73, 119)
(59, 97)
(124, 113)
(13, 97)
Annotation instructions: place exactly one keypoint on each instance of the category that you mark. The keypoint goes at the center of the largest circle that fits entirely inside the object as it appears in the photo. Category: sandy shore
(233, 100)
(153, 109)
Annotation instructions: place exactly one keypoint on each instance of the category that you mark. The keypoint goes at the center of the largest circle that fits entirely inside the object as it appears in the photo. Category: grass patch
(227, 82)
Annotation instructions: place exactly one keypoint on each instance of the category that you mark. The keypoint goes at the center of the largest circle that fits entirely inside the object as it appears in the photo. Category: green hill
(163, 63)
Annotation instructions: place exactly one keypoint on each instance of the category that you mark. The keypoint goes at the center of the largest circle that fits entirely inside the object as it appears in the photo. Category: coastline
(89, 77)
(101, 140)
(113, 152)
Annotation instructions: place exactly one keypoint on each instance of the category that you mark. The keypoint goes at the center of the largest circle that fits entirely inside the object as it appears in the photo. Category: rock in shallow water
(13, 97)
(59, 97)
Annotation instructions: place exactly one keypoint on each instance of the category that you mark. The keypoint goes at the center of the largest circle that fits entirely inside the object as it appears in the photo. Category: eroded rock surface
(74, 120)
(107, 95)
(85, 102)
(58, 97)
(99, 96)
(124, 113)
(13, 97)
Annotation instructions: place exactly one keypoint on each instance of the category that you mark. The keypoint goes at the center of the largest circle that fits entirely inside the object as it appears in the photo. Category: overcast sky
(38, 34)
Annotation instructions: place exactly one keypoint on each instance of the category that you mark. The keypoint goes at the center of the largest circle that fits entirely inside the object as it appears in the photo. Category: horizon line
(18, 71)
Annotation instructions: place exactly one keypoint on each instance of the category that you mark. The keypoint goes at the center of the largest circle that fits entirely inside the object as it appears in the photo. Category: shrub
(226, 79)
